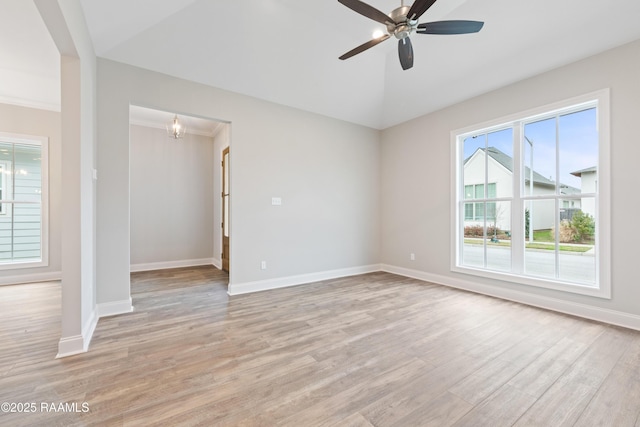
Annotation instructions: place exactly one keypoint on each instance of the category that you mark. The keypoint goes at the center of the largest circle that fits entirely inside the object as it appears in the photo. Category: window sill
(603, 292)
(16, 265)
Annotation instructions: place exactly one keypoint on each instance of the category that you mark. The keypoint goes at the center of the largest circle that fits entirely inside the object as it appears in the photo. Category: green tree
(583, 225)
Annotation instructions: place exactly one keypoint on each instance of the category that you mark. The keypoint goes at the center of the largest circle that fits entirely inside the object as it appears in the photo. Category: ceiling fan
(401, 22)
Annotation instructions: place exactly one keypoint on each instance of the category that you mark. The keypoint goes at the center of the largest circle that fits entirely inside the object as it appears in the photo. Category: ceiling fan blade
(364, 46)
(450, 27)
(405, 52)
(418, 8)
(368, 11)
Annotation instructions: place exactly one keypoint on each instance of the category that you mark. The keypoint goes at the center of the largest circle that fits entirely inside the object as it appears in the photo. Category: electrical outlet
(263, 265)
(412, 257)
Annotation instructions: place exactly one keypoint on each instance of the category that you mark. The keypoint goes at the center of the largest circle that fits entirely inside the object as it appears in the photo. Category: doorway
(175, 185)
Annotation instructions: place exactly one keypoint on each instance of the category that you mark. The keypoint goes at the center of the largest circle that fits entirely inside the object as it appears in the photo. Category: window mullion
(13, 197)
(557, 200)
(484, 197)
(517, 208)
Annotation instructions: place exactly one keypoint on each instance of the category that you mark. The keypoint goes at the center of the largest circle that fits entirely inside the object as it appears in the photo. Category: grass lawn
(543, 236)
(568, 248)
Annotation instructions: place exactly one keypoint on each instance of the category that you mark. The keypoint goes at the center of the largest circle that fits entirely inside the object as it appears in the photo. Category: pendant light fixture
(175, 129)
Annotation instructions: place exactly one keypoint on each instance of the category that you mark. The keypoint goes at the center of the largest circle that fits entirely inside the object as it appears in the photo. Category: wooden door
(225, 209)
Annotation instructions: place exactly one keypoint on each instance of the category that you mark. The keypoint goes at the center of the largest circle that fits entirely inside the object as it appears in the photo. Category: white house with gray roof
(499, 179)
(589, 182)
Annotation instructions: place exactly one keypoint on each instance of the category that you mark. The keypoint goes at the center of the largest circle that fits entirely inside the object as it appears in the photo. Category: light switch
(276, 201)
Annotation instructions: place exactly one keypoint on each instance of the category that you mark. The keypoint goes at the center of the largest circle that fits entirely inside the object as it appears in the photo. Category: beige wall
(416, 188)
(326, 171)
(172, 189)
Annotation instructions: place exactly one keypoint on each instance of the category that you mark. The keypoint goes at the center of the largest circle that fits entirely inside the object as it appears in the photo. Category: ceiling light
(175, 129)
(377, 34)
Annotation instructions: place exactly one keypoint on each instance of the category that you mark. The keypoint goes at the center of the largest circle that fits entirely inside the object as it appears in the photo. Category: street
(574, 266)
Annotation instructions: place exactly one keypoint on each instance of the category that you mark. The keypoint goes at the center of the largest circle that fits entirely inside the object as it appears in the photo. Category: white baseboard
(17, 279)
(282, 282)
(114, 308)
(164, 265)
(69, 346)
(217, 263)
(77, 344)
(613, 317)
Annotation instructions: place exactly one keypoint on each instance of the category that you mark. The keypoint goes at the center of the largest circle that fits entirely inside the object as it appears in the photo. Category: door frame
(225, 197)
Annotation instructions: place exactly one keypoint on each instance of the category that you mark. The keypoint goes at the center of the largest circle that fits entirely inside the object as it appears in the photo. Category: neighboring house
(500, 184)
(589, 182)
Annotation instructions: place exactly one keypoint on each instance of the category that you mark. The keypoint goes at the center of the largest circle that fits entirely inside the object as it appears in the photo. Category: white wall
(326, 171)
(172, 184)
(30, 121)
(416, 198)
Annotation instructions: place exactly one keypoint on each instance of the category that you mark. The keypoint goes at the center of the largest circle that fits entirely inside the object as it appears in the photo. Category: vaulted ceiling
(286, 51)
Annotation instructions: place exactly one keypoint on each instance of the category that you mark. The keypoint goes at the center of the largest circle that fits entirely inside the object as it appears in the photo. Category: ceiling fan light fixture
(176, 129)
(377, 34)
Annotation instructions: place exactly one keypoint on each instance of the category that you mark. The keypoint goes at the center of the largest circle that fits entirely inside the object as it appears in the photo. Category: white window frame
(602, 287)
(5, 165)
(43, 143)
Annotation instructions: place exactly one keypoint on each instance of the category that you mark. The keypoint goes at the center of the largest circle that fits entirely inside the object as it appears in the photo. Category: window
(23, 201)
(475, 211)
(531, 201)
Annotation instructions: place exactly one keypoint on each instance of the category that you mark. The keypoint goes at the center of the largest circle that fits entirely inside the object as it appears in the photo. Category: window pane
(225, 220)
(578, 142)
(577, 261)
(473, 241)
(468, 211)
(491, 211)
(26, 233)
(226, 173)
(6, 236)
(27, 180)
(491, 190)
(479, 192)
(479, 212)
(499, 235)
(539, 149)
(540, 245)
(474, 164)
(468, 191)
(500, 162)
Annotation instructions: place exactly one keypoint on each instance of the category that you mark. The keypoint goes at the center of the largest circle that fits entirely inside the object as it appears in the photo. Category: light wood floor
(369, 350)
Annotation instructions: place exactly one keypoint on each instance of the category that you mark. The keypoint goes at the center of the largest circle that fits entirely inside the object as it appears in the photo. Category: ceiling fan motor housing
(402, 27)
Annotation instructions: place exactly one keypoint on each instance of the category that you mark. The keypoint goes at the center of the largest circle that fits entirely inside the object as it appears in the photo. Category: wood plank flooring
(369, 350)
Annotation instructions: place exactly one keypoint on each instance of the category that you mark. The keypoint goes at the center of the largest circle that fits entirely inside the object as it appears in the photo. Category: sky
(578, 144)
